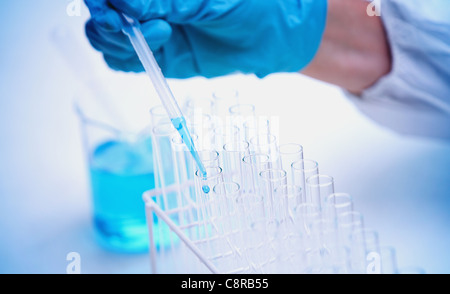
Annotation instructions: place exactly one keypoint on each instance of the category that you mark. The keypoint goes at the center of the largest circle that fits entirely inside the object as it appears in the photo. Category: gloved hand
(211, 37)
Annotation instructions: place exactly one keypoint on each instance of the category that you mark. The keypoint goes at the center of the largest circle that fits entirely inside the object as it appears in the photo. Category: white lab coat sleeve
(414, 98)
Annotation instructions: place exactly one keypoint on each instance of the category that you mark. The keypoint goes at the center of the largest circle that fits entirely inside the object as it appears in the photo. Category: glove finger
(156, 32)
(101, 39)
(135, 9)
(104, 15)
(131, 64)
(176, 59)
(172, 66)
(176, 11)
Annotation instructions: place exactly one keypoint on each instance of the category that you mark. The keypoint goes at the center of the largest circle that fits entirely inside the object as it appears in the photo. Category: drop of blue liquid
(206, 189)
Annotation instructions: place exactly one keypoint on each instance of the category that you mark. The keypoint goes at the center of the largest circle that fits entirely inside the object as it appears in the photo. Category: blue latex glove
(211, 37)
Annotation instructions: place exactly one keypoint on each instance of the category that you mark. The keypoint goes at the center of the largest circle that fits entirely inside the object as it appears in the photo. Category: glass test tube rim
(288, 191)
(236, 185)
(214, 155)
(220, 130)
(233, 108)
(206, 119)
(358, 220)
(177, 140)
(209, 176)
(306, 209)
(310, 205)
(158, 110)
(320, 185)
(254, 155)
(368, 238)
(272, 137)
(313, 162)
(365, 231)
(288, 186)
(281, 172)
(324, 223)
(191, 99)
(170, 129)
(340, 194)
(212, 159)
(284, 152)
(158, 115)
(243, 142)
(216, 96)
(256, 123)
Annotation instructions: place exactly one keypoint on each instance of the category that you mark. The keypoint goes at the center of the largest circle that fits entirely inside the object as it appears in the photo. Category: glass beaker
(120, 163)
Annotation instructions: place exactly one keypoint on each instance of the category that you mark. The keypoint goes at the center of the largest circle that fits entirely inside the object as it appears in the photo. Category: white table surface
(400, 184)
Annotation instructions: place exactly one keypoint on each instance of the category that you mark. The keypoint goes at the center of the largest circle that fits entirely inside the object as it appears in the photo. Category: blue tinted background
(401, 185)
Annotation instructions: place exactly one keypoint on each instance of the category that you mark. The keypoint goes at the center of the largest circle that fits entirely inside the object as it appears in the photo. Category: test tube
(258, 250)
(301, 170)
(223, 100)
(252, 200)
(255, 126)
(319, 188)
(286, 198)
(199, 105)
(325, 238)
(290, 153)
(305, 215)
(207, 206)
(388, 260)
(225, 134)
(290, 196)
(162, 134)
(337, 204)
(184, 168)
(227, 194)
(240, 113)
(208, 213)
(209, 157)
(158, 115)
(266, 143)
(365, 254)
(254, 164)
(232, 225)
(349, 222)
(272, 179)
(179, 146)
(233, 152)
(165, 176)
(202, 125)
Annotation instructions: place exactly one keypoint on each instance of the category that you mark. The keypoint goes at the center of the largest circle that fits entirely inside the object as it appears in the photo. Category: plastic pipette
(131, 27)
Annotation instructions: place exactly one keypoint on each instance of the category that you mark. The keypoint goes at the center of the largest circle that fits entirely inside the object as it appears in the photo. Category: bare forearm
(354, 52)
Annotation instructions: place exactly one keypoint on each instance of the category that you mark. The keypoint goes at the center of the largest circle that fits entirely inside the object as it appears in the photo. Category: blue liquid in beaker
(120, 173)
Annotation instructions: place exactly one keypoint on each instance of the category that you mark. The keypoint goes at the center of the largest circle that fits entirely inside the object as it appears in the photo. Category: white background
(401, 185)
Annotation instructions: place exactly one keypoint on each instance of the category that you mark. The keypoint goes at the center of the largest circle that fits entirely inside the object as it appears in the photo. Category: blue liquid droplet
(206, 189)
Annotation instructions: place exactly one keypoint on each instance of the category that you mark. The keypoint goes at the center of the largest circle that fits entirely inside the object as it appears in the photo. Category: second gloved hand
(211, 37)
